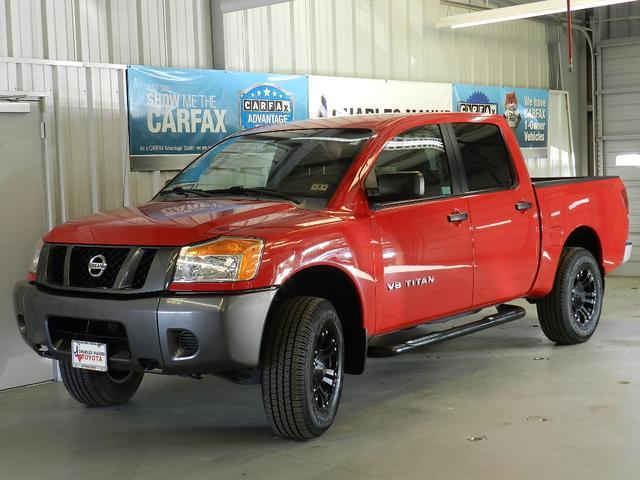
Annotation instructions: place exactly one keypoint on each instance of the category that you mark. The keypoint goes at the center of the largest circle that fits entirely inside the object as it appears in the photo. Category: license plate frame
(89, 355)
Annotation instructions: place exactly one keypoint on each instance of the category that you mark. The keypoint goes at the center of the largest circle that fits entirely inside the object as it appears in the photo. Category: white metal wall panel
(86, 109)
(86, 124)
(619, 107)
(393, 39)
(619, 21)
(150, 32)
(60, 38)
(63, 48)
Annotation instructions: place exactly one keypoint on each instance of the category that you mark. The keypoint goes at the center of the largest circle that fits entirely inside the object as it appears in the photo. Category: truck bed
(541, 182)
(579, 206)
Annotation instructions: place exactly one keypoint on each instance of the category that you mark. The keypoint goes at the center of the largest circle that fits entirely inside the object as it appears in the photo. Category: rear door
(503, 214)
(424, 237)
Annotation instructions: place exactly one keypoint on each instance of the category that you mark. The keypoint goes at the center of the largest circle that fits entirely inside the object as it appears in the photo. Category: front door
(423, 230)
(22, 211)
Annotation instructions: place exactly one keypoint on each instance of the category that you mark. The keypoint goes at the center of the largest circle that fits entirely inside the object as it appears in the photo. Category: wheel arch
(587, 238)
(582, 236)
(335, 285)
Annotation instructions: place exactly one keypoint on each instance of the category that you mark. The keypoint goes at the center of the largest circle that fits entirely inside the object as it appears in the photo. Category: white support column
(217, 34)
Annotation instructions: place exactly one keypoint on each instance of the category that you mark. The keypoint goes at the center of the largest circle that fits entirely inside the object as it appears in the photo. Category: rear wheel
(100, 389)
(570, 313)
(302, 367)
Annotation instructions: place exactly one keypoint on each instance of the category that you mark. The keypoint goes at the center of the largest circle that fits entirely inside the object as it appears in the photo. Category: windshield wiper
(241, 190)
(186, 192)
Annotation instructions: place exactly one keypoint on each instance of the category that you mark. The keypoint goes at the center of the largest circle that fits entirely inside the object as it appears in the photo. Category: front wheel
(570, 313)
(302, 367)
(100, 389)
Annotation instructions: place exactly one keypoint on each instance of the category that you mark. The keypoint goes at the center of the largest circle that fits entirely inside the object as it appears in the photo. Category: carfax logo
(265, 105)
(478, 102)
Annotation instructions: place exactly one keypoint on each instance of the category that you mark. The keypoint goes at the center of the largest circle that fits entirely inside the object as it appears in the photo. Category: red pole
(570, 43)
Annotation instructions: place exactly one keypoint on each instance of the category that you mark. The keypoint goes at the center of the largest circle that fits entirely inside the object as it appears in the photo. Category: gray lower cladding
(228, 327)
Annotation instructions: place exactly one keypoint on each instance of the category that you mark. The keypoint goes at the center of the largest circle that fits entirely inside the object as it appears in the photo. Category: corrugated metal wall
(617, 36)
(151, 32)
(75, 51)
(391, 39)
(618, 21)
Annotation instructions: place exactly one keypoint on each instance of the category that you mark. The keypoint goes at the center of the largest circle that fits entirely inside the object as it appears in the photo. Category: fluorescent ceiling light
(517, 12)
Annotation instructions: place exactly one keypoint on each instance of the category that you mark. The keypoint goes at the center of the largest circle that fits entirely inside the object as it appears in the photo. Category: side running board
(506, 313)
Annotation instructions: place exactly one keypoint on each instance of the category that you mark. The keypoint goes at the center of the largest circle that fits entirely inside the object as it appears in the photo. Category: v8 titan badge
(265, 104)
(89, 355)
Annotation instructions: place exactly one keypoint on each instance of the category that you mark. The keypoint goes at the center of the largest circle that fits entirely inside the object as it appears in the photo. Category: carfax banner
(335, 96)
(176, 114)
(524, 109)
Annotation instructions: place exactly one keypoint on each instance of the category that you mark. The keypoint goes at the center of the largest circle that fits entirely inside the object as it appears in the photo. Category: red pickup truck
(284, 256)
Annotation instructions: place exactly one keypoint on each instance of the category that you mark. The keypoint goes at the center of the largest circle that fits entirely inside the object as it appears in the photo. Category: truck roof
(376, 122)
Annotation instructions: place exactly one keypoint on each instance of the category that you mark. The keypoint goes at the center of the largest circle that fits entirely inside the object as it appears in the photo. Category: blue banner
(186, 111)
(524, 109)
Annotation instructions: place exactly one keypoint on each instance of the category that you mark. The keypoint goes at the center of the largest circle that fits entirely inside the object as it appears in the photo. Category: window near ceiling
(484, 156)
(628, 160)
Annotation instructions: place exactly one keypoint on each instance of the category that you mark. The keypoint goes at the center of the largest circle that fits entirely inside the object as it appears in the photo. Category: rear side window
(486, 162)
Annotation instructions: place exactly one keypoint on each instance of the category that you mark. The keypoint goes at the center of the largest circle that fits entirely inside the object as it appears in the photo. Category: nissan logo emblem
(97, 266)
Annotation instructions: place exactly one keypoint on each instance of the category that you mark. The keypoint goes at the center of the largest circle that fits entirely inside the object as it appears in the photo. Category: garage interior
(504, 403)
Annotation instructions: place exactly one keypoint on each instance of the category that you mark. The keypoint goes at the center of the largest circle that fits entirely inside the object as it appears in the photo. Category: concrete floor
(407, 418)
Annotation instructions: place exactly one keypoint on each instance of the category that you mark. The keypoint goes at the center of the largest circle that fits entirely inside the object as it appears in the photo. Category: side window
(413, 165)
(484, 156)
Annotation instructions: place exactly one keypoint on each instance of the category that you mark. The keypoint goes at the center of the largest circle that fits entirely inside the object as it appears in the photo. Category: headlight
(226, 259)
(33, 266)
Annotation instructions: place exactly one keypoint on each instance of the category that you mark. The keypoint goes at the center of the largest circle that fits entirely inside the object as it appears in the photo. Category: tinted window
(484, 155)
(419, 152)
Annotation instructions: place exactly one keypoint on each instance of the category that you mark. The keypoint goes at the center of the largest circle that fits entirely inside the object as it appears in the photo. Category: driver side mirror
(398, 186)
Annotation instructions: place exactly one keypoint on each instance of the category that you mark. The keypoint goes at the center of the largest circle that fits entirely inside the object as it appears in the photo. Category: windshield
(306, 165)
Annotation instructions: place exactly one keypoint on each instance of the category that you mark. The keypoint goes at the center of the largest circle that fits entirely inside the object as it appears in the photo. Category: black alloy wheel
(325, 380)
(302, 362)
(584, 297)
(571, 311)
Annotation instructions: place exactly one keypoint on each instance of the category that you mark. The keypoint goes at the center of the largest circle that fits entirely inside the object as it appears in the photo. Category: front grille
(79, 272)
(63, 329)
(143, 268)
(55, 264)
(98, 267)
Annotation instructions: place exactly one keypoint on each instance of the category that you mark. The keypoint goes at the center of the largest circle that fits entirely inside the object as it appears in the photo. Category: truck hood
(175, 223)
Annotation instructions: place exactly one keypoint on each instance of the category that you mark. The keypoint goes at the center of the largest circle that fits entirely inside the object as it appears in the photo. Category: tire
(571, 312)
(302, 367)
(98, 389)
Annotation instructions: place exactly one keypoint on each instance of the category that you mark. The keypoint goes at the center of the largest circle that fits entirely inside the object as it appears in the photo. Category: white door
(22, 216)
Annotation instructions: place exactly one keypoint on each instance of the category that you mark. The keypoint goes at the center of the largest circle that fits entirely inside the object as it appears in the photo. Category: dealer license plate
(89, 355)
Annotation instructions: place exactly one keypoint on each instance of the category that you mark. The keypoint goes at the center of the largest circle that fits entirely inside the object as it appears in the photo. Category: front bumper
(227, 328)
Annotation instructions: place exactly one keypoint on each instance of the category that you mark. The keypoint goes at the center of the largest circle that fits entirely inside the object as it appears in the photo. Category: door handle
(521, 206)
(457, 216)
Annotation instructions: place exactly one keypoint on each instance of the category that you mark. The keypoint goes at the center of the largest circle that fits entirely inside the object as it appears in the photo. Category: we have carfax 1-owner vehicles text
(284, 255)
